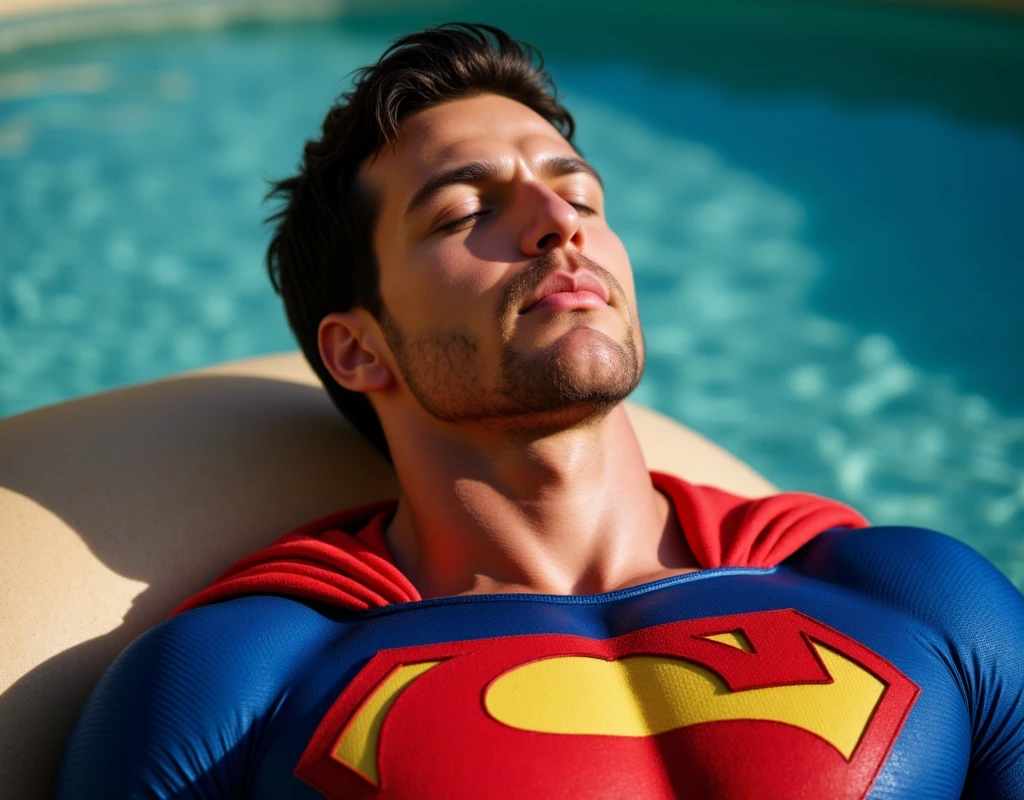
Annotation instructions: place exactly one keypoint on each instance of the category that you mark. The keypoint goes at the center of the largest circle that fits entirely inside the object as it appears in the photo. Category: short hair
(321, 258)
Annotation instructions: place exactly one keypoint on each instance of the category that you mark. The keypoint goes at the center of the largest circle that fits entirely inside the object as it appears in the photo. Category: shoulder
(214, 654)
(174, 707)
(272, 623)
(928, 574)
(973, 620)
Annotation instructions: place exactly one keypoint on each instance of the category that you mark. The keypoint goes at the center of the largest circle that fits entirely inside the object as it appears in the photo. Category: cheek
(606, 248)
(446, 286)
(452, 266)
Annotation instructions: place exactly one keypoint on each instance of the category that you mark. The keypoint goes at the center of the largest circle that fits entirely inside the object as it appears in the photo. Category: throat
(487, 586)
(533, 564)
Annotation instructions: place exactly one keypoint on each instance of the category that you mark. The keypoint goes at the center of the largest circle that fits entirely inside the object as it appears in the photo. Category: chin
(583, 368)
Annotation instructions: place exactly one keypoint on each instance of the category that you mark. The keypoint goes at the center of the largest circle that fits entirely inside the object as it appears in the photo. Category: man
(537, 615)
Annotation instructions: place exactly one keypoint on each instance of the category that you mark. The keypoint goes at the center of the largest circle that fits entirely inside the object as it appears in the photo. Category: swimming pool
(824, 211)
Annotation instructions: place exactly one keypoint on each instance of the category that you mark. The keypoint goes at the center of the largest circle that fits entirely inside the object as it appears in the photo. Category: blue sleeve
(977, 614)
(181, 712)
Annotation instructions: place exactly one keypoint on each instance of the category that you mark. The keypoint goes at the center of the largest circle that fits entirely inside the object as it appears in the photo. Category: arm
(178, 712)
(989, 625)
(976, 617)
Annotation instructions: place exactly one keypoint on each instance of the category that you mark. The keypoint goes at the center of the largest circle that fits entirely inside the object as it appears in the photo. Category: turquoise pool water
(828, 240)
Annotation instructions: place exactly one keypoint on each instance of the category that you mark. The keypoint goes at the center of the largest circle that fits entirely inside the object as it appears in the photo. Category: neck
(568, 513)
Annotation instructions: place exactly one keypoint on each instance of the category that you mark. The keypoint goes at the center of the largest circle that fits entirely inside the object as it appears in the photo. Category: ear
(353, 350)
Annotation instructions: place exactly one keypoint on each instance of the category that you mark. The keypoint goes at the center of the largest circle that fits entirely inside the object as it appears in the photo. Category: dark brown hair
(321, 257)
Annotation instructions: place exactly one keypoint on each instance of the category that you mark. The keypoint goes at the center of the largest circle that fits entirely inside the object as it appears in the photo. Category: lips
(564, 290)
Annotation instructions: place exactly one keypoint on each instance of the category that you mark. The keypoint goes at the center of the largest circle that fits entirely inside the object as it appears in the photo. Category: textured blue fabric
(220, 702)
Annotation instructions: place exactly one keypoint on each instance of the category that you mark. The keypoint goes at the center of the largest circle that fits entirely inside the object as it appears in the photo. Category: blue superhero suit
(880, 662)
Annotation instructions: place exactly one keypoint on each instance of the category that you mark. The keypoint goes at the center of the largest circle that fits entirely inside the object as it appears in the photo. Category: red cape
(343, 559)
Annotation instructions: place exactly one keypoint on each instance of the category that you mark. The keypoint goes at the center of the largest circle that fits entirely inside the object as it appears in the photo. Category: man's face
(484, 207)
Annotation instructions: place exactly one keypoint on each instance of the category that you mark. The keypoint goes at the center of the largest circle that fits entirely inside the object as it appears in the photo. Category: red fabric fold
(343, 559)
(726, 530)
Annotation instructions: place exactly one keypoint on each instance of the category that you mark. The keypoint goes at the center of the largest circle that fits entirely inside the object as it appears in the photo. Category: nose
(552, 222)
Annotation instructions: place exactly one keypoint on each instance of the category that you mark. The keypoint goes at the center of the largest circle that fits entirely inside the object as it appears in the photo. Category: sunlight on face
(484, 210)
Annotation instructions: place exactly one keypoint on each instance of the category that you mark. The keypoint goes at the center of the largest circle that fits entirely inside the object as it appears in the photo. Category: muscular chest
(700, 689)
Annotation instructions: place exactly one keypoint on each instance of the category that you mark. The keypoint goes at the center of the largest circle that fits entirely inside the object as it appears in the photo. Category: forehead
(484, 126)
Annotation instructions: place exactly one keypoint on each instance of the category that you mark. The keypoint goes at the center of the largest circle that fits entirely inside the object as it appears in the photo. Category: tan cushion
(114, 508)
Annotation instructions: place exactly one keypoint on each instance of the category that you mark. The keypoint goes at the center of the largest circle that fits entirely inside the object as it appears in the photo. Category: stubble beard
(570, 383)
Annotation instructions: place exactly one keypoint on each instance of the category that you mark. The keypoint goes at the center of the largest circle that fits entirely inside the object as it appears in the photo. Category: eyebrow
(485, 171)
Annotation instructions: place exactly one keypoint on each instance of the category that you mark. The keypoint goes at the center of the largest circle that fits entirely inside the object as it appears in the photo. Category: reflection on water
(735, 348)
(132, 173)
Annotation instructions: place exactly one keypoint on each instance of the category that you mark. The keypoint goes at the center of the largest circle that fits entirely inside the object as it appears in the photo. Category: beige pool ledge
(23, 8)
(116, 507)
(28, 23)
(24, 23)
(20, 8)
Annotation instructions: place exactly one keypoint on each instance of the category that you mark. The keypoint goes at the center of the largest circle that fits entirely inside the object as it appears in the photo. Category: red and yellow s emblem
(767, 704)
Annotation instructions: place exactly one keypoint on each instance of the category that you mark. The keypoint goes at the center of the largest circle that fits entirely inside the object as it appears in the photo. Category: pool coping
(28, 23)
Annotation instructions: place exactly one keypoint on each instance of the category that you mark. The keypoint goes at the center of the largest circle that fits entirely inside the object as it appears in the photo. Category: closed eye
(462, 221)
